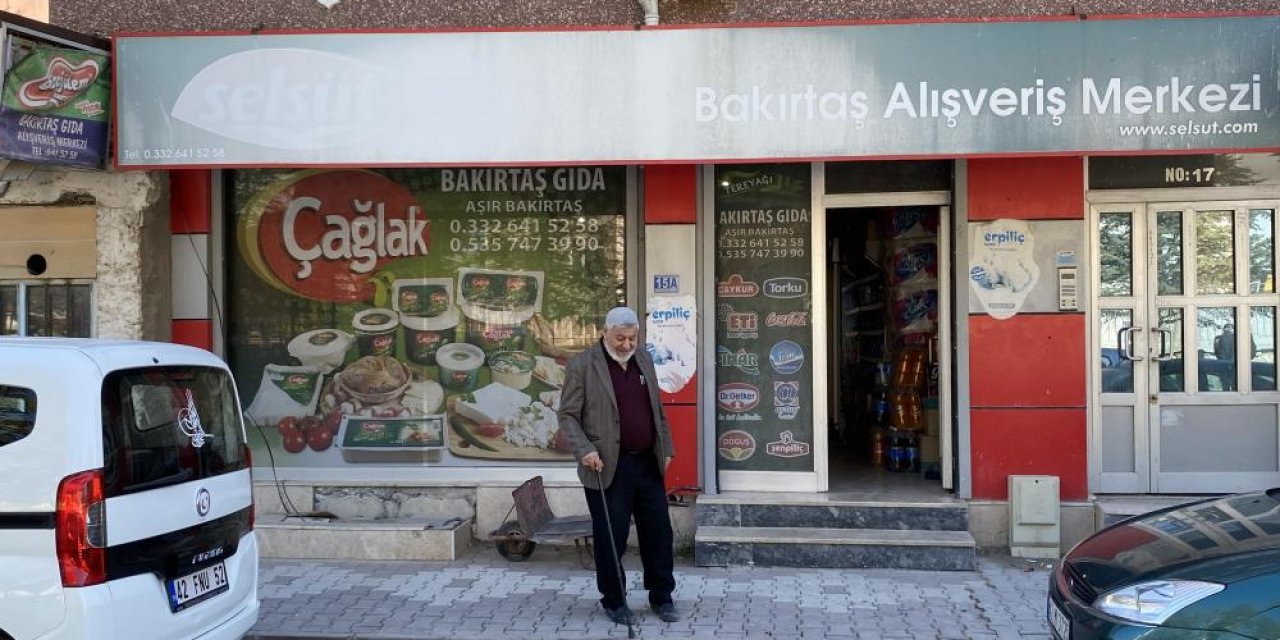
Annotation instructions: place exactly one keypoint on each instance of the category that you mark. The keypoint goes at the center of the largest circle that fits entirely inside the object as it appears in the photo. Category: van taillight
(253, 508)
(82, 530)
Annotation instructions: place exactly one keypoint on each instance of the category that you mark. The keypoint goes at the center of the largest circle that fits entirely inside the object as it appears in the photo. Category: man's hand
(593, 462)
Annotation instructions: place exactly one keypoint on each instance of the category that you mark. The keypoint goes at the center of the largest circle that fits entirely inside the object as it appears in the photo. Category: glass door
(1186, 369)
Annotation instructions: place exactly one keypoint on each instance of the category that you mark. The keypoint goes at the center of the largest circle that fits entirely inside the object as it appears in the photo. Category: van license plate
(1059, 621)
(194, 588)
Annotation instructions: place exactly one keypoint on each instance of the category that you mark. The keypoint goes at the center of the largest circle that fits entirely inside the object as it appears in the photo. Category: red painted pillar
(670, 198)
(1027, 377)
(190, 214)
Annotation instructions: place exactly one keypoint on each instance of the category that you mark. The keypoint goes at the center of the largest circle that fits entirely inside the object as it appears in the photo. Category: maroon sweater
(632, 392)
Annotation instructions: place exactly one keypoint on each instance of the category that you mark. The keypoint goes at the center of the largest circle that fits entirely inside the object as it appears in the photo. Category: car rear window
(168, 425)
(17, 413)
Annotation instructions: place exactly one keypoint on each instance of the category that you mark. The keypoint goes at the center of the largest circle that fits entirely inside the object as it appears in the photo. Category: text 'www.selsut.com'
(1189, 128)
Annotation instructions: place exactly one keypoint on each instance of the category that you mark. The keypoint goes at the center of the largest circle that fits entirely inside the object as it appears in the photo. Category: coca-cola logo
(61, 83)
(736, 445)
(736, 287)
(322, 234)
(792, 319)
(738, 397)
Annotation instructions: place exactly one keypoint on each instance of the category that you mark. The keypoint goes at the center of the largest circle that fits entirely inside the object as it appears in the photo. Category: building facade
(877, 246)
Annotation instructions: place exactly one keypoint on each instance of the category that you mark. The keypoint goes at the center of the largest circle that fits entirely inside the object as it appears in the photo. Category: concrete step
(716, 546)
(824, 512)
(1114, 508)
(283, 536)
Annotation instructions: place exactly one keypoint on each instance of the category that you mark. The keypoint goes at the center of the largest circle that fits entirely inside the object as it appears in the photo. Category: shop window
(46, 309)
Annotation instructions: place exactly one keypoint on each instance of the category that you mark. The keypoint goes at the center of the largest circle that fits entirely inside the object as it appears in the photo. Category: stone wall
(132, 289)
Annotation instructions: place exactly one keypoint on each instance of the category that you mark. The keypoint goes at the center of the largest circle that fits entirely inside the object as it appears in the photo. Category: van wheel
(5, 636)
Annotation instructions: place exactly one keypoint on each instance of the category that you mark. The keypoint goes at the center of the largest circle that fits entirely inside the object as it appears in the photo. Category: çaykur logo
(323, 234)
(60, 84)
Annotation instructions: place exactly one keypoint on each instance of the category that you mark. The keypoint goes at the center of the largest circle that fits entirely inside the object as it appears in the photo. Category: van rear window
(17, 413)
(168, 425)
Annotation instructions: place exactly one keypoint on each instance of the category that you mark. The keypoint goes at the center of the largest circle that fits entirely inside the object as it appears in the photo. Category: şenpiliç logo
(189, 422)
(284, 98)
(61, 83)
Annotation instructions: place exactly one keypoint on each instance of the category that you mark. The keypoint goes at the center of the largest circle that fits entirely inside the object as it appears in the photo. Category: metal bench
(536, 524)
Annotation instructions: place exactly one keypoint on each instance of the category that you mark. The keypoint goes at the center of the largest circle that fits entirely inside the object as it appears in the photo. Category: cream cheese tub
(324, 349)
(423, 337)
(459, 365)
(512, 368)
(376, 331)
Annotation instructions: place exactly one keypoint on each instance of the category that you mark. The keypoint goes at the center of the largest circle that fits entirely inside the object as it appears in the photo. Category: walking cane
(613, 546)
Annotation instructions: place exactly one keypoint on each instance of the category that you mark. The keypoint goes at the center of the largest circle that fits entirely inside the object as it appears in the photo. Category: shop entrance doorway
(1186, 325)
(885, 279)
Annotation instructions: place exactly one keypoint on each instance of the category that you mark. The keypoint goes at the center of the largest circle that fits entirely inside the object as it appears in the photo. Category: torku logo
(323, 234)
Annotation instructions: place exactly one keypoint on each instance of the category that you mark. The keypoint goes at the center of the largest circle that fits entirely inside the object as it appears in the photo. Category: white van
(126, 506)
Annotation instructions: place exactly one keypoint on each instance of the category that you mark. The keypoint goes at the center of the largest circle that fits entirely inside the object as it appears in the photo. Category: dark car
(1207, 570)
(1215, 375)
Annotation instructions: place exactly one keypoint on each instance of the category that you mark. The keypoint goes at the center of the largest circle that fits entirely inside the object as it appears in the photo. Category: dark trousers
(637, 490)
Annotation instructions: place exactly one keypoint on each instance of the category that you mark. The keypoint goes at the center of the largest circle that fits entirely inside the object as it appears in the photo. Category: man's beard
(616, 357)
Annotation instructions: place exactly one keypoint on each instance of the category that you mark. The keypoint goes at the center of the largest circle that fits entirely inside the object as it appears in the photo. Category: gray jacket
(589, 412)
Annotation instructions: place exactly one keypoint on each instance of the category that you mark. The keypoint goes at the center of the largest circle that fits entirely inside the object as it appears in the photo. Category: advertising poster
(54, 108)
(1002, 266)
(763, 307)
(671, 337)
(418, 316)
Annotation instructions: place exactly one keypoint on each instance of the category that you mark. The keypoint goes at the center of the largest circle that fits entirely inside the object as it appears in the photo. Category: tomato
(294, 440)
(490, 430)
(319, 439)
(311, 423)
(333, 421)
(286, 424)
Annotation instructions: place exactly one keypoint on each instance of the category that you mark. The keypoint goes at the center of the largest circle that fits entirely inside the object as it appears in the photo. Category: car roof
(109, 354)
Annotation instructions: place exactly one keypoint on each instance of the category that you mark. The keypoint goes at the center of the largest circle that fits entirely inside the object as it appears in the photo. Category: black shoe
(667, 612)
(620, 615)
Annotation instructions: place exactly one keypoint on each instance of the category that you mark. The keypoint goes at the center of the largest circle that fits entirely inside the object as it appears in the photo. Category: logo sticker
(736, 446)
(324, 234)
(738, 397)
(203, 502)
(742, 325)
(786, 399)
(742, 360)
(786, 357)
(736, 287)
(189, 422)
(787, 447)
(793, 319)
(786, 287)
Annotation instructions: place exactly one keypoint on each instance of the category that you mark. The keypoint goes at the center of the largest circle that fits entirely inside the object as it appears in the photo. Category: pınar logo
(742, 360)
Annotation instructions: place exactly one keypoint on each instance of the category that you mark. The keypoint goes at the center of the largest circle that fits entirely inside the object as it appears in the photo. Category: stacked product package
(912, 260)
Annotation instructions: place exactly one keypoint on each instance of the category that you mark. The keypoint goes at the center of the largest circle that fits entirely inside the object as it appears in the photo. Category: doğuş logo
(61, 83)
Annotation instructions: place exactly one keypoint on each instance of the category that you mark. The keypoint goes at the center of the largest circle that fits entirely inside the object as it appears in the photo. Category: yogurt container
(496, 337)
(423, 337)
(376, 331)
(512, 368)
(324, 349)
(459, 365)
(423, 297)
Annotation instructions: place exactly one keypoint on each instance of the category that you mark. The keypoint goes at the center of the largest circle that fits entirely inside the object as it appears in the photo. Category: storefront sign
(54, 109)
(1177, 171)
(763, 302)
(940, 89)
(410, 317)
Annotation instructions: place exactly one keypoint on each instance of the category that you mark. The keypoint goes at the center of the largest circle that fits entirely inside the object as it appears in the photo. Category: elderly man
(611, 414)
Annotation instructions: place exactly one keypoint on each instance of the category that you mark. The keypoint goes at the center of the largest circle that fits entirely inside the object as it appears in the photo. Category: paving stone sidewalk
(551, 596)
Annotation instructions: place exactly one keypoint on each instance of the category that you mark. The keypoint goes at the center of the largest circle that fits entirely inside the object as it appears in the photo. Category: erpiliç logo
(61, 83)
(1001, 238)
(669, 315)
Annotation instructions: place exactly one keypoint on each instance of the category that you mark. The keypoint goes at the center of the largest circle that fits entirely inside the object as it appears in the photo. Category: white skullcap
(621, 317)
